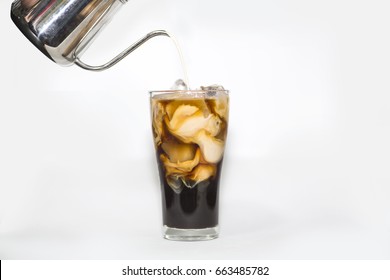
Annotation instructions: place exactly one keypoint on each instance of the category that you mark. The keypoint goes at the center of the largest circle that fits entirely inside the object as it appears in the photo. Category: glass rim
(187, 91)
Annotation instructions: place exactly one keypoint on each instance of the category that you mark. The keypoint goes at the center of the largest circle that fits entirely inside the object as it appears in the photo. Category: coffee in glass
(189, 129)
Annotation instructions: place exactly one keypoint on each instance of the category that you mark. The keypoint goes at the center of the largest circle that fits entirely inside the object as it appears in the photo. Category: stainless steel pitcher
(63, 29)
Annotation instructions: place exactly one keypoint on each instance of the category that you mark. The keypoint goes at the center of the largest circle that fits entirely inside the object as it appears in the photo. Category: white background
(306, 172)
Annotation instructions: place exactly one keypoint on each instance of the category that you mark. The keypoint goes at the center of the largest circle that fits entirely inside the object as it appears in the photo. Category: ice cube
(175, 183)
(212, 90)
(179, 85)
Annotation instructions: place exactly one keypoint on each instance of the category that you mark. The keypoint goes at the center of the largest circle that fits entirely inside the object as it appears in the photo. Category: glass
(189, 129)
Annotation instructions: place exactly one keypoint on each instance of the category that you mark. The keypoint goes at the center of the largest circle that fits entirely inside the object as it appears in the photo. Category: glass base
(178, 234)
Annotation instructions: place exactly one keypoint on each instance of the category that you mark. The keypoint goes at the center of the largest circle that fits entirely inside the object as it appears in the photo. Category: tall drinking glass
(189, 129)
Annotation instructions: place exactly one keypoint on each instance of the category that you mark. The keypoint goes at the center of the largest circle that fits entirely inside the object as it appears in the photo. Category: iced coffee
(189, 129)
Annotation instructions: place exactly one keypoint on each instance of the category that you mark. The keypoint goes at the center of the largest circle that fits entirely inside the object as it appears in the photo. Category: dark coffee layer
(193, 208)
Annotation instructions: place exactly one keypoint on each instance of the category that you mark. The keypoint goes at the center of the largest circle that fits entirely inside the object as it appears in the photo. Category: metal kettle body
(63, 29)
